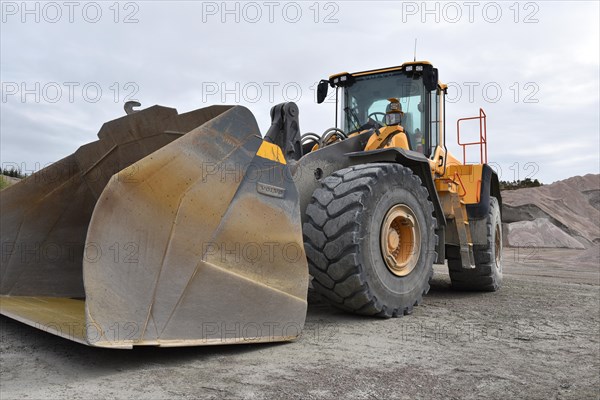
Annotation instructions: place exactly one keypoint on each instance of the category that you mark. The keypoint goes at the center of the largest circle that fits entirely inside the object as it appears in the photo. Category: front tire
(345, 239)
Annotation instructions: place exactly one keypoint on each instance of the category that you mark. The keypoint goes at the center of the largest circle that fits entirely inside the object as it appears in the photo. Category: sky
(533, 66)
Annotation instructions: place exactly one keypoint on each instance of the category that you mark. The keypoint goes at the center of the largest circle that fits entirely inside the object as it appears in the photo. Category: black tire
(342, 239)
(487, 274)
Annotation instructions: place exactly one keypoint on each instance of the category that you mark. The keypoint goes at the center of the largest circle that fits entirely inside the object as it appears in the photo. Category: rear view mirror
(430, 78)
(322, 89)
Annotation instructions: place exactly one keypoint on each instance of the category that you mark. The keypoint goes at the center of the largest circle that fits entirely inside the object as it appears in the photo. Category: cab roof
(382, 70)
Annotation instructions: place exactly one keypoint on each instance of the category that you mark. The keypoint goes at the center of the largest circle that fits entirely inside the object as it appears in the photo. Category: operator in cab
(394, 116)
(393, 113)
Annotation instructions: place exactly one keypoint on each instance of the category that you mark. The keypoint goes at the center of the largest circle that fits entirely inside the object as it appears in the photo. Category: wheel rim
(400, 240)
(498, 246)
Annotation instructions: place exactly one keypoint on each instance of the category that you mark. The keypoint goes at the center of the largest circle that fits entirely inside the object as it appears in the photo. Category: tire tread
(331, 236)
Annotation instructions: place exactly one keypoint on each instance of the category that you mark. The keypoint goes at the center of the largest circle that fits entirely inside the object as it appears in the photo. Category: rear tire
(487, 274)
(343, 239)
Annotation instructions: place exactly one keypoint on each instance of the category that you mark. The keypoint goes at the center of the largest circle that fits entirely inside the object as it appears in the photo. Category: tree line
(518, 184)
(13, 172)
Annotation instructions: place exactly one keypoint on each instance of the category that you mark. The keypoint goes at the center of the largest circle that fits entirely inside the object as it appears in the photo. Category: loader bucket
(171, 230)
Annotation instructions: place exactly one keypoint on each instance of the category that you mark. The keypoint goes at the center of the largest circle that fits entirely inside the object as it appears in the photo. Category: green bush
(3, 183)
(525, 183)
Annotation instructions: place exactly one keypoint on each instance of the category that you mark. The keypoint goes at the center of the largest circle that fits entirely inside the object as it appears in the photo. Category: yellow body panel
(271, 152)
(465, 180)
(451, 160)
(389, 136)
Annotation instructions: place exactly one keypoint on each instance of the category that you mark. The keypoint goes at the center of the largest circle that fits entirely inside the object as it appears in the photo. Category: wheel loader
(194, 229)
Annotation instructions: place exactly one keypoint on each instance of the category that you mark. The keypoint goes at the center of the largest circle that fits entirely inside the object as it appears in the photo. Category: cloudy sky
(67, 67)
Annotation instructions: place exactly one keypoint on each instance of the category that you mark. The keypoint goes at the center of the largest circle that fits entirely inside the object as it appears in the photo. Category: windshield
(368, 98)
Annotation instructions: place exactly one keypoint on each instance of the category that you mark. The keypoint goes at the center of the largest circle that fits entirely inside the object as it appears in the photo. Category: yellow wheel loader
(192, 229)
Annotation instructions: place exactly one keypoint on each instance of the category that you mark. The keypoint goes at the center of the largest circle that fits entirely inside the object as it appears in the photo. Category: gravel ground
(537, 338)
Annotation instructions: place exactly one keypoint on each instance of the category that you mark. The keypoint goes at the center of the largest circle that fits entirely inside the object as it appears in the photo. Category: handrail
(482, 137)
(462, 185)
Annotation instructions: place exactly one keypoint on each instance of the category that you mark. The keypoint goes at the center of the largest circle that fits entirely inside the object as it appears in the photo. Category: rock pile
(563, 214)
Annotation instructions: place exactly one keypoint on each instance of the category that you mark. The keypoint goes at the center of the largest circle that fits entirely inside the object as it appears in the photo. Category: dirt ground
(537, 338)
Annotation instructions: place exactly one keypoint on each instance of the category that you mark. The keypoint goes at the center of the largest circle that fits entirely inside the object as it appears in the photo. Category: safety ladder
(482, 142)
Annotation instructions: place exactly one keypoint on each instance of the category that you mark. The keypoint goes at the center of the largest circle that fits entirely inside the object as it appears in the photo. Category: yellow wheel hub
(400, 240)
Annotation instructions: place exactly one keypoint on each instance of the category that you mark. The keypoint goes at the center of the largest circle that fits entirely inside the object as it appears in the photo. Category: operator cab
(363, 99)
